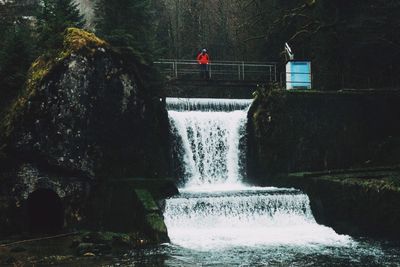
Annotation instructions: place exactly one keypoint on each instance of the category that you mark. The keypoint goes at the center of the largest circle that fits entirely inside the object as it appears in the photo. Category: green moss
(375, 181)
(74, 40)
(147, 200)
(109, 236)
(77, 39)
(374, 184)
(156, 223)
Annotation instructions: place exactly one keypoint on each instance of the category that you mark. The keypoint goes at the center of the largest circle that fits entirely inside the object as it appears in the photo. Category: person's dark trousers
(204, 71)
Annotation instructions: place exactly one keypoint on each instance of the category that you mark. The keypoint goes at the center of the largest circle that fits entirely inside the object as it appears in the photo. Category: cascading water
(209, 131)
(215, 209)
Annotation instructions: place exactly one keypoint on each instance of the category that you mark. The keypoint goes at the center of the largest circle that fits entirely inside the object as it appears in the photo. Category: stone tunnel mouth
(45, 212)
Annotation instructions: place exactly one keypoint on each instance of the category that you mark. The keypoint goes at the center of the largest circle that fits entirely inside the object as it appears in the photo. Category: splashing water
(211, 145)
(245, 218)
(215, 210)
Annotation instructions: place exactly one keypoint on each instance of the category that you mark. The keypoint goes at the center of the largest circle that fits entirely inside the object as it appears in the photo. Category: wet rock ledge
(359, 202)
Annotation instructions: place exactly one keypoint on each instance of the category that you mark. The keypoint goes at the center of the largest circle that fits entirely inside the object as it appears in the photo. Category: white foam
(211, 145)
(254, 218)
(215, 209)
(207, 104)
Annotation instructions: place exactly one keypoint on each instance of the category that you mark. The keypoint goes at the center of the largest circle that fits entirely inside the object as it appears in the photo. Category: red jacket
(203, 58)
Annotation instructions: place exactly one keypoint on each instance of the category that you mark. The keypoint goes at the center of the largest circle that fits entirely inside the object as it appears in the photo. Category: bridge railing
(219, 70)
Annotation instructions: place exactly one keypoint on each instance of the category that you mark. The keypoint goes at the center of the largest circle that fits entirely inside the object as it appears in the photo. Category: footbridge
(226, 79)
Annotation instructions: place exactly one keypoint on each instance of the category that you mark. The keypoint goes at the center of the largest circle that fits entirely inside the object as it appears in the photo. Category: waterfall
(215, 209)
(210, 131)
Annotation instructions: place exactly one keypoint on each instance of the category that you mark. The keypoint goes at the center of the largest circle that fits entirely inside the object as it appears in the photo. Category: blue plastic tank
(298, 75)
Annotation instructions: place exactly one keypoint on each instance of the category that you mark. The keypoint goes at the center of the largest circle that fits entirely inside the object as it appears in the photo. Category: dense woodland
(352, 44)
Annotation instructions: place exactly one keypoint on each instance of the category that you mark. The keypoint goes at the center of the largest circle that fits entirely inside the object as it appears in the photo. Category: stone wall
(309, 131)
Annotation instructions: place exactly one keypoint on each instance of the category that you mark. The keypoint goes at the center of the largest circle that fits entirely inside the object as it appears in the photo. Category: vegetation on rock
(25, 39)
(75, 40)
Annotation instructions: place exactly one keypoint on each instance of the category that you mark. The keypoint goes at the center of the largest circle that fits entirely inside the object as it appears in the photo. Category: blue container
(298, 75)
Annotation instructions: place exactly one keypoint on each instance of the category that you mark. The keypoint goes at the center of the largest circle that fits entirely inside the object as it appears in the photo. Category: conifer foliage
(127, 23)
(53, 17)
(17, 51)
(28, 31)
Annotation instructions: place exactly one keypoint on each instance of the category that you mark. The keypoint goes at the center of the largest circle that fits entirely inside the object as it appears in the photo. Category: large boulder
(86, 116)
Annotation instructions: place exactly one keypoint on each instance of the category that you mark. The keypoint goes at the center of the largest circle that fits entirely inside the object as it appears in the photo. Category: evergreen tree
(162, 28)
(16, 54)
(53, 17)
(127, 23)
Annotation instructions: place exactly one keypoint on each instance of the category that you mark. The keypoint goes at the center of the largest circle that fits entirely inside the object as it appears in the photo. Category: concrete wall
(210, 89)
(309, 131)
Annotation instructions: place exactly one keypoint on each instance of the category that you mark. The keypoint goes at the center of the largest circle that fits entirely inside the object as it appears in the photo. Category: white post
(270, 74)
(243, 69)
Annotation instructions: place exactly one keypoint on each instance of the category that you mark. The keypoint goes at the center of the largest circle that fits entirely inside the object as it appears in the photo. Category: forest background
(352, 44)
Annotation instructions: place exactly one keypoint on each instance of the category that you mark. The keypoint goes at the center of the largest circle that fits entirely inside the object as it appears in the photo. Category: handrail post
(270, 73)
(243, 70)
(176, 69)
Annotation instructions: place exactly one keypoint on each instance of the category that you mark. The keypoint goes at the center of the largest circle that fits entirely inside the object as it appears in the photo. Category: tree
(352, 44)
(127, 23)
(17, 50)
(53, 17)
(16, 54)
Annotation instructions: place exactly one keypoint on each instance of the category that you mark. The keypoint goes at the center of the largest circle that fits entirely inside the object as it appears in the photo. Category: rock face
(86, 116)
(311, 131)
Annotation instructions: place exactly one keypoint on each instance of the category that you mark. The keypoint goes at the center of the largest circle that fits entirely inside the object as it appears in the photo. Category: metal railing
(219, 70)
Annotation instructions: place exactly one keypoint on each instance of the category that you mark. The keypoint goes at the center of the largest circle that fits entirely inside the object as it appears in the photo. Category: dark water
(363, 253)
(233, 229)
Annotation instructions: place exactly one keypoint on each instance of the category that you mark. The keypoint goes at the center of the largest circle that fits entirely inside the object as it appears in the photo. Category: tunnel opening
(45, 212)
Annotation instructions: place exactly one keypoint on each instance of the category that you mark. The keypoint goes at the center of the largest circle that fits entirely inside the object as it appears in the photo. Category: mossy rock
(75, 40)
(156, 227)
(146, 200)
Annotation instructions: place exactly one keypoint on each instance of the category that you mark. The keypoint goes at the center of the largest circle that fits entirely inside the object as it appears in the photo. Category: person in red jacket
(203, 59)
